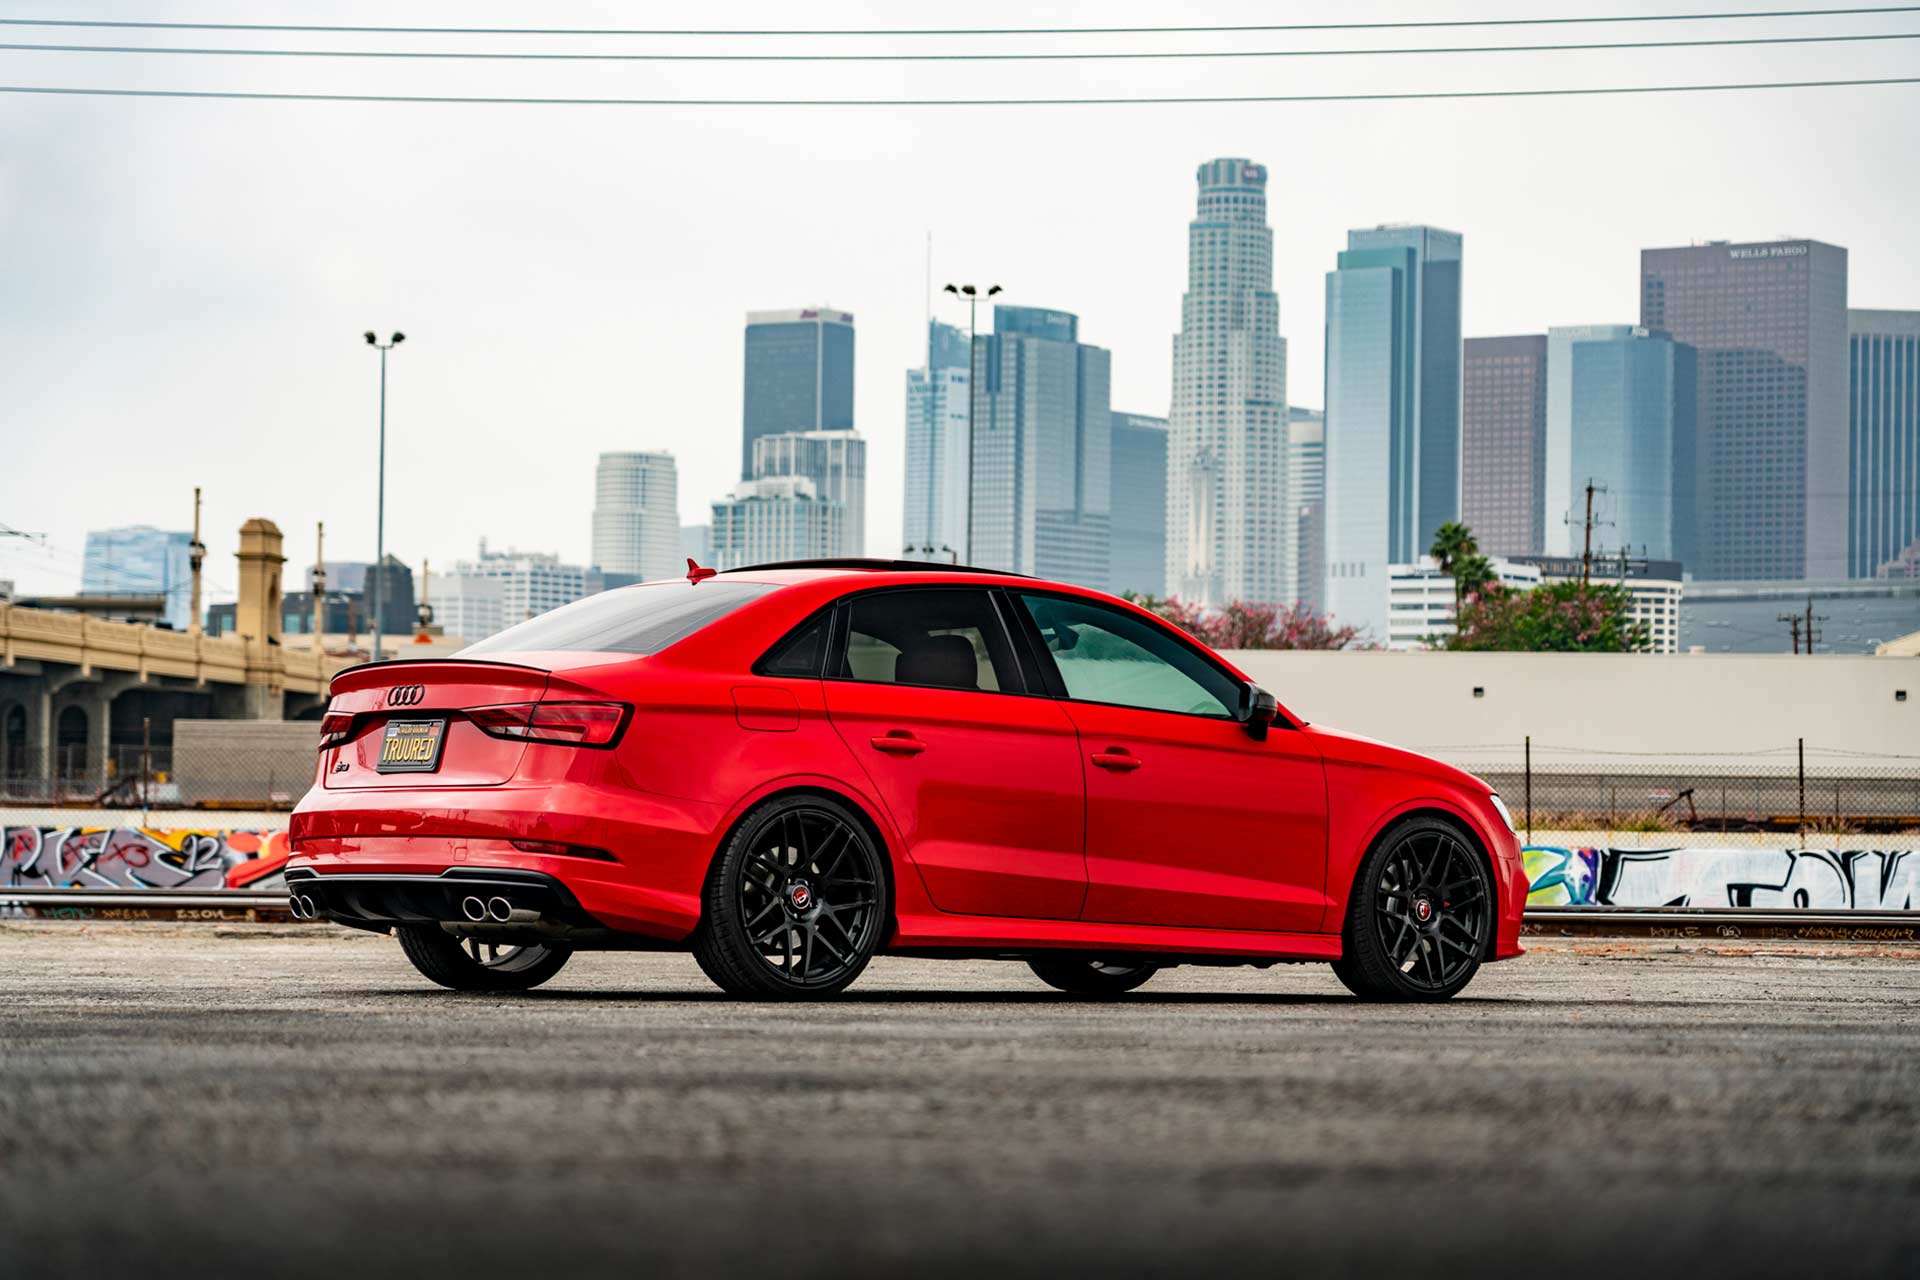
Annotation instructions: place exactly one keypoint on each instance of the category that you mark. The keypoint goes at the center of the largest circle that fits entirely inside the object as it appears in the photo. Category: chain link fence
(209, 764)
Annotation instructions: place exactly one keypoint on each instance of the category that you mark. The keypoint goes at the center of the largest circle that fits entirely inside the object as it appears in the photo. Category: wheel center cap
(800, 895)
(1423, 910)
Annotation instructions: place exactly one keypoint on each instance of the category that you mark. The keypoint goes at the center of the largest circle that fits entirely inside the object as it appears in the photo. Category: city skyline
(606, 316)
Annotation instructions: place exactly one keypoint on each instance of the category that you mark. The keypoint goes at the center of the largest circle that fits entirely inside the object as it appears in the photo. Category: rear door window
(639, 619)
(937, 638)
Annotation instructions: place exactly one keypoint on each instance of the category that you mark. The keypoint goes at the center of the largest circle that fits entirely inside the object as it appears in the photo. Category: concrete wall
(1607, 708)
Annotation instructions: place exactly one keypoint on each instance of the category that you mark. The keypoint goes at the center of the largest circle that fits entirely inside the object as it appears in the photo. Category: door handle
(1117, 758)
(899, 742)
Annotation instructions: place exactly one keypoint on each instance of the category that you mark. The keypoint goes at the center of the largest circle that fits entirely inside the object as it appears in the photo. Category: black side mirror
(1262, 709)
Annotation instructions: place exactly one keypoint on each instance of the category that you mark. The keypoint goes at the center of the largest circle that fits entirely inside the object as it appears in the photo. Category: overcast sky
(183, 284)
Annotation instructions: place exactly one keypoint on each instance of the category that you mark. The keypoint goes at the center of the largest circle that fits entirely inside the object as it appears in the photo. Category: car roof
(864, 564)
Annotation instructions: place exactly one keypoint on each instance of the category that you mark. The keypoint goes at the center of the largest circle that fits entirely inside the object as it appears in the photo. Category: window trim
(760, 663)
(1051, 670)
(842, 631)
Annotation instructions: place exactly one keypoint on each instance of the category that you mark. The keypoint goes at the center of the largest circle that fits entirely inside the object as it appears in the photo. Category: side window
(1105, 655)
(802, 652)
(941, 639)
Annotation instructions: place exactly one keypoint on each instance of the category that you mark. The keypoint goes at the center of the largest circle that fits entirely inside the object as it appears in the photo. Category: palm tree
(1453, 544)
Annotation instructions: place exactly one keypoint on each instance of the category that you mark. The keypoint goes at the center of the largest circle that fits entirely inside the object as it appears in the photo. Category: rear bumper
(657, 848)
(381, 901)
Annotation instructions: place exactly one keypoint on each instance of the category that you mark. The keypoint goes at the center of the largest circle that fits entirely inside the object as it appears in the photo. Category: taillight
(334, 727)
(574, 724)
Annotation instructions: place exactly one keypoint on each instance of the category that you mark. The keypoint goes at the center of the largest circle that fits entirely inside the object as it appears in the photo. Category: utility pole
(1793, 625)
(973, 296)
(380, 514)
(196, 556)
(1812, 631)
(316, 606)
(1586, 550)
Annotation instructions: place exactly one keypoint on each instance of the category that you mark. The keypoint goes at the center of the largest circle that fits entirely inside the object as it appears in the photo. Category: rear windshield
(640, 619)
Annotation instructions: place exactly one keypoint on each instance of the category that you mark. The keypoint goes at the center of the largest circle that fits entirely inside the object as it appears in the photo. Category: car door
(1190, 821)
(982, 777)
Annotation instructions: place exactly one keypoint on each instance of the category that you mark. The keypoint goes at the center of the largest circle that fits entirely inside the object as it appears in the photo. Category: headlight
(1506, 815)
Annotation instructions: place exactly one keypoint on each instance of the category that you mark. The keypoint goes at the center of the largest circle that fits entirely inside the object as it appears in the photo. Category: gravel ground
(198, 1100)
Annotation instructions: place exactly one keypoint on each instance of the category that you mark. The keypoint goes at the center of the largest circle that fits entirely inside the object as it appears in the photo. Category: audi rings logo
(407, 695)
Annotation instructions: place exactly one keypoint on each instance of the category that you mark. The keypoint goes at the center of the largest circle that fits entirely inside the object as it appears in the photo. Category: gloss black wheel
(1420, 917)
(1084, 975)
(470, 964)
(796, 902)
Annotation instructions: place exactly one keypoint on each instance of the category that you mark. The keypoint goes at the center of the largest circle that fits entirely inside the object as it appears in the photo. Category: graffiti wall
(1805, 879)
(139, 858)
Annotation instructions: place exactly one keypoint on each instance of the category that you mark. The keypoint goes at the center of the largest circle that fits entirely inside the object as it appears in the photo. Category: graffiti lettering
(138, 858)
(1776, 879)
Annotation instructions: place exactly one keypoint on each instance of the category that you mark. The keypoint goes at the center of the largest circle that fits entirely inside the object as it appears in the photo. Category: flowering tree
(1243, 625)
(1560, 617)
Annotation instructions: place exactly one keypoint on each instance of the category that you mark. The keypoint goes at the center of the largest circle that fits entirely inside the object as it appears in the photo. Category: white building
(636, 514)
(775, 518)
(1653, 586)
(500, 588)
(836, 462)
(1231, 525)
(1307, 484)
(934, 517)
(1420, 605)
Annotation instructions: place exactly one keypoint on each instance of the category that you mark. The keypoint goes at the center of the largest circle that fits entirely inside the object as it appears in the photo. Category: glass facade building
(799, 375)
(1393, 356)
(1622, 418)
(836, 462)
(1042, 449)
(501, 588)
(1307, 485)
(774, 518)
(1503, 448)
(1769, 323)
(934, 518)
(141, 560)
(1883, 441)
(1139, 505)
(1230, 520)
(636, 515)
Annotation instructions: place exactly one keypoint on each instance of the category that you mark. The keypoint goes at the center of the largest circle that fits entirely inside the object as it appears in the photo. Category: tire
(473, 965)
(1420, 917)
(1084, 975)
(796, 902)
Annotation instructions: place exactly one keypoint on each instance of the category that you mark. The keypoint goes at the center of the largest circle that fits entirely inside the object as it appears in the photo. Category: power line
(1167, 100)
(1105, 56)
(723, 32)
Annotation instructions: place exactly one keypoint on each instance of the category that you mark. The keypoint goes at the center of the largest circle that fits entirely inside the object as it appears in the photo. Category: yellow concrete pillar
(257, 617)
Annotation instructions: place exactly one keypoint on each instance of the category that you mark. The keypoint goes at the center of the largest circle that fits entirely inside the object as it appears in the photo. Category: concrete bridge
(73, 688)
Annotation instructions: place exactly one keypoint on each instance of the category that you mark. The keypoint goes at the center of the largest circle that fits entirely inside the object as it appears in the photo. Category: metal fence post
(1801, 838)
(1529, 777)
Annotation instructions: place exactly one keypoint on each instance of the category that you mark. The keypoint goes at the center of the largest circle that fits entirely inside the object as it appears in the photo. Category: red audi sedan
(790, 768)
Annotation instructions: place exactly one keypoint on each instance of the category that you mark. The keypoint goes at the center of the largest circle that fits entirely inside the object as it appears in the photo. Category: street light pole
(973, 296)
(380, 508)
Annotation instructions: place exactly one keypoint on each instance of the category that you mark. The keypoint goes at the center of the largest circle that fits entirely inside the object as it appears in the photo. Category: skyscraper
(636, 514)
(1307, 485)
(935, 514)
(836, 462)
(502, 588)
(1042, 434)
(1883, 506)
(774, 518)
(1769, 322)
(141, 560)
(1230, 522)
(1393, 410)
(1503, 455)
(799, 375)
(1620, 414)
(1140, 505)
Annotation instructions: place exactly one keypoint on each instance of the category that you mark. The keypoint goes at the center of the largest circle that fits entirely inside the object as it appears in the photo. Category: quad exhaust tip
(302, 907)
(499, 909)
(474, 909)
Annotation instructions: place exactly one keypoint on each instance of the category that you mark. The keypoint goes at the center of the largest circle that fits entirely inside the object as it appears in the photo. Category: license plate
(411, 746)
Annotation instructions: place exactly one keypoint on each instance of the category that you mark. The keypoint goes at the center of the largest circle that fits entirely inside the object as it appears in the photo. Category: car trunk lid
(411, 725)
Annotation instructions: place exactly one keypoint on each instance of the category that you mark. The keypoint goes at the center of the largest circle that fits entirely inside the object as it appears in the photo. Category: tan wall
(1581, 707)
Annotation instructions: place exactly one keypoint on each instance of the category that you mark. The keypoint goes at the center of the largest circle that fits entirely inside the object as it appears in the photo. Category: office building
(1420, 603)
(1769, 323)
(1503, 454)
(1883, 443)
(1042, 436)
(1230, 521)
(934, 518)
(140, 560)
(356, 581)
(799, 375)
(775, 518)
(1139, 505)
(1654, 589)
(500, 589)
(1850, 615)
(1393, 410)
(636, 515)
(836, 462)
(1307, 486)
(1620, 415)
(696, 544)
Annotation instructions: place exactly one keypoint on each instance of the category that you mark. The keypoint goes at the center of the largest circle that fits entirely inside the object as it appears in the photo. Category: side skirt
(997, 935)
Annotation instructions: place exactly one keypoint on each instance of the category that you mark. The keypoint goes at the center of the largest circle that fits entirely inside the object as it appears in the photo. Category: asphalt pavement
(198, 1100)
